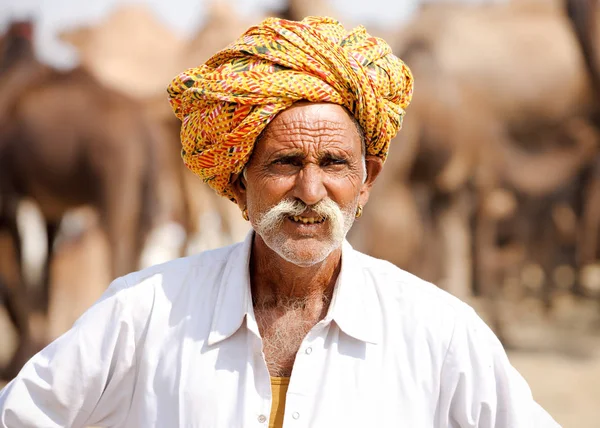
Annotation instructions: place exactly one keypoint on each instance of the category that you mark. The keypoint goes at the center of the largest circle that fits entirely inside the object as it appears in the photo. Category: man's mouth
(307, 220)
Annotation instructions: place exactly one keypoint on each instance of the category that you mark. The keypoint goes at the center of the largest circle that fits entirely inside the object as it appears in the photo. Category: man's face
(305, 180)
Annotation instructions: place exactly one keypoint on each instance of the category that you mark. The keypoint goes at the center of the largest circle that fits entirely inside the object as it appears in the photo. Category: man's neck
(274, 280)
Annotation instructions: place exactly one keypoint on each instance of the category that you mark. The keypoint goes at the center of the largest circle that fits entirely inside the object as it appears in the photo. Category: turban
(226, 103)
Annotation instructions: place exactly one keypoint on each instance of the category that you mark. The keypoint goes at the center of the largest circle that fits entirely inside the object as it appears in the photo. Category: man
(291, 327)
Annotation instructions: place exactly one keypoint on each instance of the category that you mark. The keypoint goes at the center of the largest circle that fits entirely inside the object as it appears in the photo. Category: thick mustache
(274, 217)
(297, 208)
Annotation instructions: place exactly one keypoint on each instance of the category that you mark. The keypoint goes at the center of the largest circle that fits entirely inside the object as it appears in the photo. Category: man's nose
(309, 186)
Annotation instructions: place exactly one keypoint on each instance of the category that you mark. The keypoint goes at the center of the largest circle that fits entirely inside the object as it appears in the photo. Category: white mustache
(326, 209)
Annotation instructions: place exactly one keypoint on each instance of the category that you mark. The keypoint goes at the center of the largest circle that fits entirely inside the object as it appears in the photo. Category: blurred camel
(585, 19)
(14, 299)
(105, 50)
(299, 9)
(496, 114)
(67, 141)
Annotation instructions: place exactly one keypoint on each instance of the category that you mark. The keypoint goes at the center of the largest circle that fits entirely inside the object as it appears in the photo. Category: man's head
(226, 103)
(306, 178)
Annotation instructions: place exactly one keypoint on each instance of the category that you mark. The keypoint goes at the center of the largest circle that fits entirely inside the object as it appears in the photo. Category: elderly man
(291, 327)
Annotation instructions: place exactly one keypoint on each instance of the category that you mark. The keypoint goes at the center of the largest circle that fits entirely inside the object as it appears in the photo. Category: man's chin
(303, 252)
(303, 260)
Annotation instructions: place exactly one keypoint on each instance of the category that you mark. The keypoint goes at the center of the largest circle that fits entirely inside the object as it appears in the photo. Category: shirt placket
(299, 398)
(258, 416)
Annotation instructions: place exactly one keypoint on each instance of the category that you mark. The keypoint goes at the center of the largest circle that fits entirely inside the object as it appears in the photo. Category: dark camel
(67, 141)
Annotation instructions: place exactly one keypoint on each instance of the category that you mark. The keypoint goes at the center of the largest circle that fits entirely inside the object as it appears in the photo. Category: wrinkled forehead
(309, 124)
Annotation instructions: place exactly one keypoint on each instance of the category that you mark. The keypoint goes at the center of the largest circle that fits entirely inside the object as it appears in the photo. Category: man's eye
(287, 162)
(332, 162)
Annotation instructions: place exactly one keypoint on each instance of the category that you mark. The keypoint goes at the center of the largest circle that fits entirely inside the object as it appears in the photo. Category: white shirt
(177, 345)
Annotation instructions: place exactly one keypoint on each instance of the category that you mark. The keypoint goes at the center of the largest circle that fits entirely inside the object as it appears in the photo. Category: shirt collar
(234, 300)
(354, 305)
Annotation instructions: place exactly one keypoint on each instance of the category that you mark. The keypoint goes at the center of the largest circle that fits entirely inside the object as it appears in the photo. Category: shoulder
(139, 293)
(418, 305)
(175, 272)
(412, 303)
(393, 283)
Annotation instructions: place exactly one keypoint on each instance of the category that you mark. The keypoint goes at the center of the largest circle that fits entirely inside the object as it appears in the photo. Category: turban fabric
(226, 103)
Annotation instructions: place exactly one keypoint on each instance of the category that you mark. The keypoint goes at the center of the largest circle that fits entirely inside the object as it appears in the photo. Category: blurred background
(491, 190)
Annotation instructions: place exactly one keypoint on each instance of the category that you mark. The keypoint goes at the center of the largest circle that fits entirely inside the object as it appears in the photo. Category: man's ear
(374, 166)
(238, 188)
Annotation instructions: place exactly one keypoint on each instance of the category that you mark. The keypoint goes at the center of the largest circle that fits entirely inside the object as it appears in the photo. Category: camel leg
(16, 307)
(589, 248)
(8, 219)
(13, 296)
(486, 267)
(15, 303)
(44, 300)
(188, 214)
(545, 254)
(121, 217)
(13, 292)
(453, 223)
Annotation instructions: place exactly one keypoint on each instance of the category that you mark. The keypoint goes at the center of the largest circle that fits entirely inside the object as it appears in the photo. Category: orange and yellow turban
(226, 103)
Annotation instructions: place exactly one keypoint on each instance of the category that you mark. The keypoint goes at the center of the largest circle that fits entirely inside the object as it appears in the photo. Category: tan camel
(496, 114)
(585, 19)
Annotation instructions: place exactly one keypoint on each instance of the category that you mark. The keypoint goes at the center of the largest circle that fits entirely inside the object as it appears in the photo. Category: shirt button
(296, 415)
(308, 350)
(262, 419)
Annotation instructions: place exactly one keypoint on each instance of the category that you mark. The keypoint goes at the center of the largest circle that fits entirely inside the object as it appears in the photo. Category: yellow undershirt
(279, 387)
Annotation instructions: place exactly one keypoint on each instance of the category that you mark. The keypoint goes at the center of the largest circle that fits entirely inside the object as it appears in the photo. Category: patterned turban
(226, 103)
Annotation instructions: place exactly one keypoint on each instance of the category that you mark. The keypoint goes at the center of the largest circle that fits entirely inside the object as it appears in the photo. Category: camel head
(16, 44)
(18, 67)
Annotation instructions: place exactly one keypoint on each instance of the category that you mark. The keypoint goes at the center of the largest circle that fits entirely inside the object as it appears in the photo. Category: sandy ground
(564, 375)
(567, 387)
